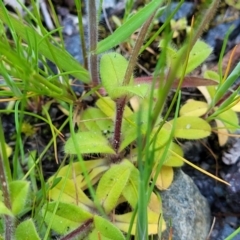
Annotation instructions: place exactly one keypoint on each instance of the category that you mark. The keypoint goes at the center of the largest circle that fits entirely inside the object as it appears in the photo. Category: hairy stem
(120, 104)
(205, 18)
(136, 49)
(92, 38)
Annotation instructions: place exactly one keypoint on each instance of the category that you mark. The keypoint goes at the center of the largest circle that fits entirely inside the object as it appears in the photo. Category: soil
(224, 200)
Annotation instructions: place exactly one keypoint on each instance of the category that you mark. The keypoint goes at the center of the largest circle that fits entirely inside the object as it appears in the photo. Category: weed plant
(124, 148)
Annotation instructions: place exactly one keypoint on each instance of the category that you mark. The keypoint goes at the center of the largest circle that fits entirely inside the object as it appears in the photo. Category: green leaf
(112, 71)
(113, 67)
(138, 90)
(123, 221)
(223, 88)
(230, 120)
(26, 231)
(112, 183)
(4, 210)
(19, 195)
(194, 108)
(66, 218)
(88, 142)
(69, 191)
(64, 60)
(93, 119)
(107, 229)
(108, 107)
(171, 52)
(162, 136)
(76, 168)
(129, 27)
(173, 160)
(199, 53)
(94, 169)
(128, 136)
(130, 192)
(94, 235)
(189, 127)
(212, 75)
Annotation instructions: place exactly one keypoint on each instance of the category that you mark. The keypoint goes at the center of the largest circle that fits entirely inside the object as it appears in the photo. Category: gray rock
(186, 209)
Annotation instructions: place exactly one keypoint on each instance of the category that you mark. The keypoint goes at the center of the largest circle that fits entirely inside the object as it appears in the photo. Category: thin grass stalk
(78, 4)
(222, 52)
(142, 217)
(5, 178)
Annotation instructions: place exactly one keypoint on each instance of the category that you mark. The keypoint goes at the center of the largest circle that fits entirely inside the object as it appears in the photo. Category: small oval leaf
(194, 108)
(172, 159)
(189, 127)
(222, 132)
(165, 178)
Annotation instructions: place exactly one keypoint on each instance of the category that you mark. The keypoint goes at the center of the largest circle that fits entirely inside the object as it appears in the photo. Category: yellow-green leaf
(66, 218)
(173, 160)
(94, 169)
(95, 235)
(107, 229)
(236, 107)
(130, 192)
(113, 67)
(189, 127)
(69, 191)
(112, 183)
(194, 108)
(108, 107)
(199, 53)
(4, 210)
(88, 142)
(230, 120)
(93, 119)
(76, 167)
(122, 222)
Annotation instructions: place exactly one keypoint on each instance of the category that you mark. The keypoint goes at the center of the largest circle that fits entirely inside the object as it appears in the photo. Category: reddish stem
(120, 104)
(78, 230)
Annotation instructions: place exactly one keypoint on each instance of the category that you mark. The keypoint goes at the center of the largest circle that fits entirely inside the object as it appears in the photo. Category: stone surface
(186, 209)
